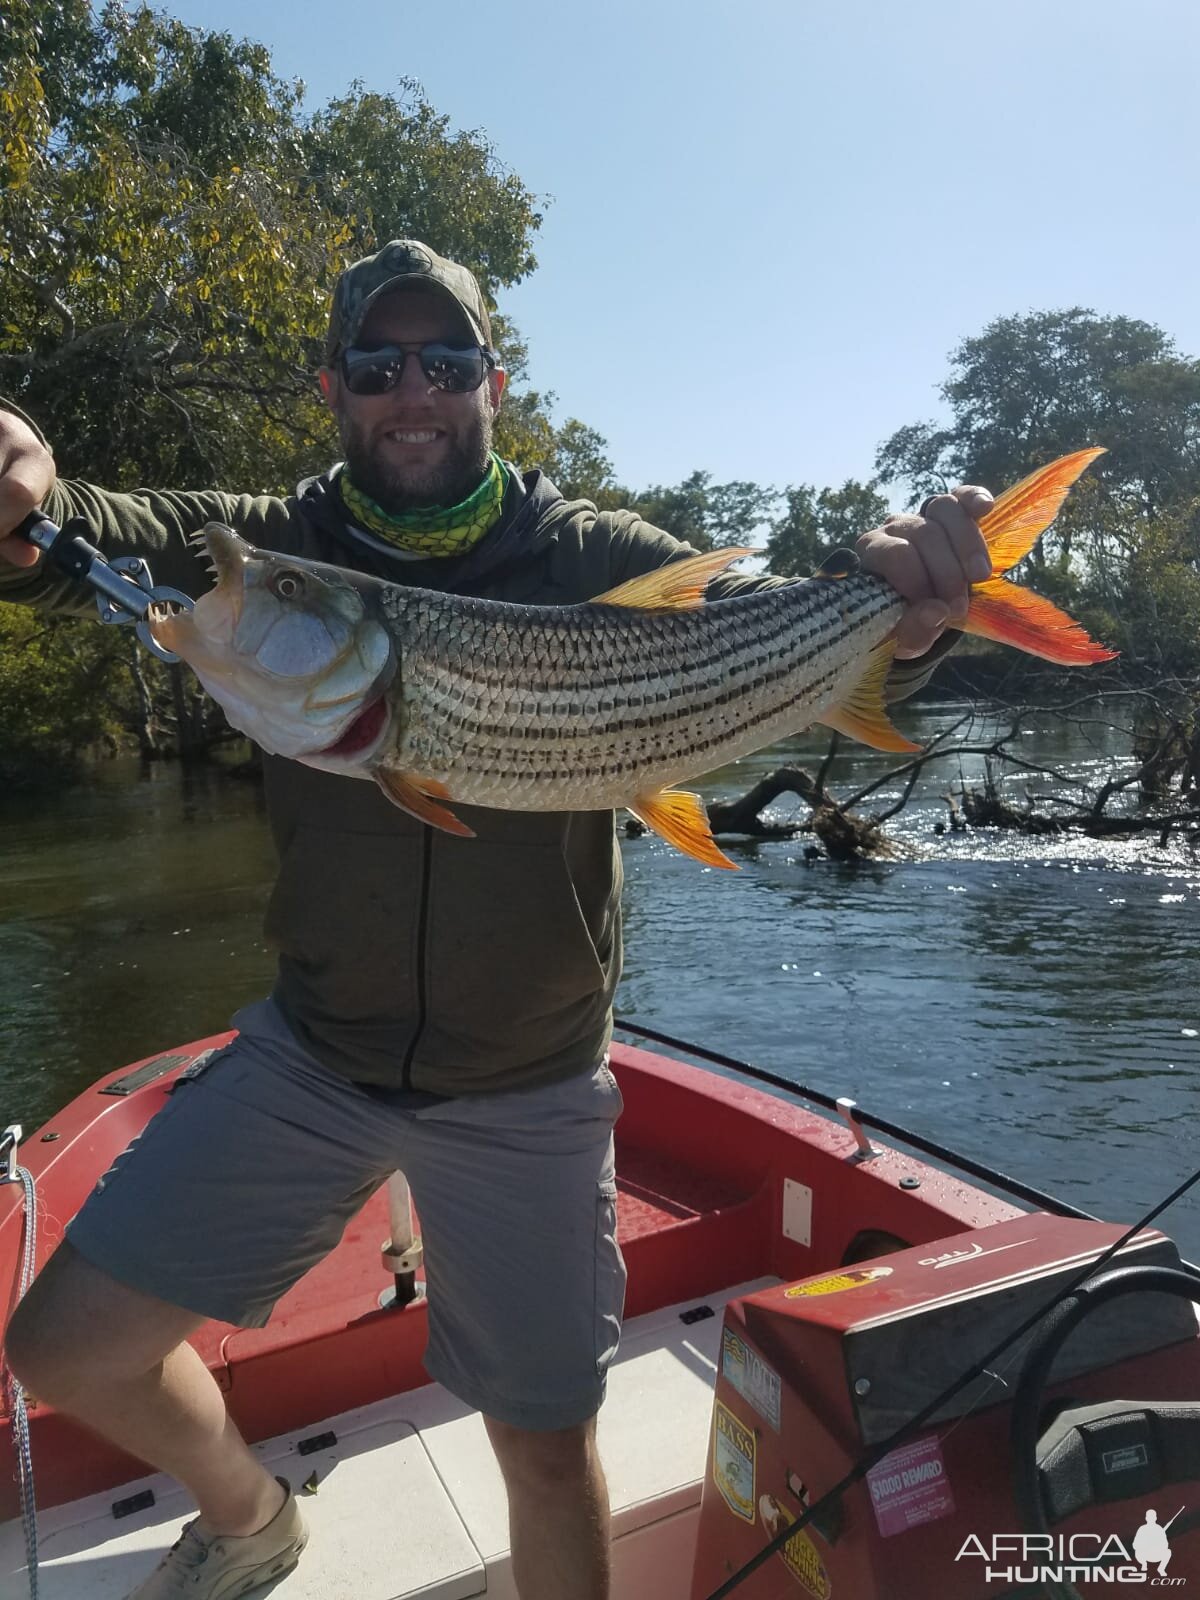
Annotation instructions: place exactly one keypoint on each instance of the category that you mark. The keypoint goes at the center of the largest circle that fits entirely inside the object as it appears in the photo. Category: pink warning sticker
(910, 1486)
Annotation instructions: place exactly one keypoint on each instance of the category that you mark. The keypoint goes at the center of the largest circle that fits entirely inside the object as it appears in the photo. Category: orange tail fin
(1000, 610)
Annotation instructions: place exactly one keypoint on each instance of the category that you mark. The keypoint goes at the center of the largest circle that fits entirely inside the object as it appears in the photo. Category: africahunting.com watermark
(1095, 1558)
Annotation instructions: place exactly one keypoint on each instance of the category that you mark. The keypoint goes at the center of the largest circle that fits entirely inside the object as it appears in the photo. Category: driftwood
(844, 836)
(1165, 777)
(743, 816)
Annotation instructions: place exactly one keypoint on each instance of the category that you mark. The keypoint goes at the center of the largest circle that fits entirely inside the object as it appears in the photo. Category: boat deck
(409, 1501)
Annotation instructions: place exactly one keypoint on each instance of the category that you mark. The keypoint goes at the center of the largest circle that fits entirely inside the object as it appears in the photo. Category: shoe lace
(190, 1550)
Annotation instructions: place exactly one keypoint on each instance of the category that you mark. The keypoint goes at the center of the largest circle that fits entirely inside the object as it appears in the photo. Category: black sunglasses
(454, 368)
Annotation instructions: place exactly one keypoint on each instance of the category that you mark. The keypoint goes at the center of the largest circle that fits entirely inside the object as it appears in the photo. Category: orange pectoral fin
(862, 714)
(679, 586)
(1002, 611)
(680, 819)
(404, 792)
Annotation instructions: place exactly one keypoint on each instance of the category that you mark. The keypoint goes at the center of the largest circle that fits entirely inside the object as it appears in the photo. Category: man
(441, 1005)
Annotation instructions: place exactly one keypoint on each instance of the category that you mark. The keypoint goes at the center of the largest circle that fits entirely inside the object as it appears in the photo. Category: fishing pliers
(125, 589)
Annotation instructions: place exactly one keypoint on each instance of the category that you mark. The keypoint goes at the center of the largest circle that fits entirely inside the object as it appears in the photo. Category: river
(1033, 1002)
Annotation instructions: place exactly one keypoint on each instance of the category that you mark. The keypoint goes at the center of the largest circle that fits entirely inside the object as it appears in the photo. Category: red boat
(802, 1299)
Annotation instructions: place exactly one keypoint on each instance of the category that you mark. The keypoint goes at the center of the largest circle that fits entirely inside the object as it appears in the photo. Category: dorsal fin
(679, 586)
(839, 564)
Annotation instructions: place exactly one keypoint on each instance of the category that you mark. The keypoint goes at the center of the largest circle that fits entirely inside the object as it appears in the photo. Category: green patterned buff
(438, 530)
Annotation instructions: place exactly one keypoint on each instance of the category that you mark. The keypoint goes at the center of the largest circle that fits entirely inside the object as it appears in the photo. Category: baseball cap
(399, 263)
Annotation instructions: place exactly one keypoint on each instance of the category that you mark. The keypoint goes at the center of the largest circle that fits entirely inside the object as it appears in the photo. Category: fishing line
(877, 1453)
(989, 1360)
(917, 1141)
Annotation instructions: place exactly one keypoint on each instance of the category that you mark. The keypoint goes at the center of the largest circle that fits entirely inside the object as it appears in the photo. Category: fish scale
(561, 708)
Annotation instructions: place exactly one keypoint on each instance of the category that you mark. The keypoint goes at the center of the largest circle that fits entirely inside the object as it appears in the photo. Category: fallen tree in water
(1162, 776)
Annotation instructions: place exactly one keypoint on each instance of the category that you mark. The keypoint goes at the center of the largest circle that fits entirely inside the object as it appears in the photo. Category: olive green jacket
(408, 958)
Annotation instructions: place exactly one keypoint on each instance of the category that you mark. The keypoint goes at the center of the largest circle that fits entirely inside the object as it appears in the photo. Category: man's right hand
(26, 478)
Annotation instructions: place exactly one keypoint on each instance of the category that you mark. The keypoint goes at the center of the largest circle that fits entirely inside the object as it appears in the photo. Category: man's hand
(932, 559)
(26, 478)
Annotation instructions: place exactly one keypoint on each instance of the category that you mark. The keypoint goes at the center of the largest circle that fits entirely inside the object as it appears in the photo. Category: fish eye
(287, 585)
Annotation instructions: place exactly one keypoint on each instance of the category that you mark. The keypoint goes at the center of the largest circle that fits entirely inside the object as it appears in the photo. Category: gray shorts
(251, 1171)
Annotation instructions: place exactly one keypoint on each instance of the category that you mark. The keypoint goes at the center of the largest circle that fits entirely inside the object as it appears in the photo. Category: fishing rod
(878, 1451)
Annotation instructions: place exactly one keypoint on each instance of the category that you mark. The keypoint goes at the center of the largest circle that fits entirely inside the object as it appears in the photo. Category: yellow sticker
(799, 1555)
(733, 1463)
(837, 1282)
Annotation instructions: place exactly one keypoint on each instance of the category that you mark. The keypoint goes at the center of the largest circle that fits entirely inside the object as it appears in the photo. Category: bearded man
(442, 1006)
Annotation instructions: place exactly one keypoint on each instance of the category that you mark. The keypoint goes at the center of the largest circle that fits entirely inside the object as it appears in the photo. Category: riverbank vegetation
(172, 219)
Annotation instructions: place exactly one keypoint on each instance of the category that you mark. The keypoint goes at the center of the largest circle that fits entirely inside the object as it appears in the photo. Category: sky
(768, 223)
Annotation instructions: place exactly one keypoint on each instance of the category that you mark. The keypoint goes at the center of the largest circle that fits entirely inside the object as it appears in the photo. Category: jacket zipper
(422, 939)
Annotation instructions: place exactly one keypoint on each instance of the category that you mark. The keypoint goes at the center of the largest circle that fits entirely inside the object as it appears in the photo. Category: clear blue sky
(769, 221)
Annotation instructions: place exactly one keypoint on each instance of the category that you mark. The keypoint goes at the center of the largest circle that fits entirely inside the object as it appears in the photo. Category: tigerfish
(442, 698)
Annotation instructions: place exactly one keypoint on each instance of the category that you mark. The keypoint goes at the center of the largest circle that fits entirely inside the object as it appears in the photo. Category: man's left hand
(932, 559)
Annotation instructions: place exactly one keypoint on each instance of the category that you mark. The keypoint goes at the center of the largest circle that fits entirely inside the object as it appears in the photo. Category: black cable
(876, 1454)
(1026, 1406)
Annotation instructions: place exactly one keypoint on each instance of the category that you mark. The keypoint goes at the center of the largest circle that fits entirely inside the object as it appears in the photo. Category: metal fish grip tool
(124, 587)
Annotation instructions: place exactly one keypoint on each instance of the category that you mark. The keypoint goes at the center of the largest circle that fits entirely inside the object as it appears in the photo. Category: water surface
(1033, 1002)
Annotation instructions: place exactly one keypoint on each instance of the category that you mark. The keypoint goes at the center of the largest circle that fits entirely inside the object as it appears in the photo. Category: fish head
(293, 651)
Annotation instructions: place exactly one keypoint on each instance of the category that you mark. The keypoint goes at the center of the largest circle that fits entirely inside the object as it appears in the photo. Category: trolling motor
(124, 587)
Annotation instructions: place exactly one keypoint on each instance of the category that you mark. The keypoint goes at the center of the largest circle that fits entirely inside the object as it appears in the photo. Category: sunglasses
(453, 368)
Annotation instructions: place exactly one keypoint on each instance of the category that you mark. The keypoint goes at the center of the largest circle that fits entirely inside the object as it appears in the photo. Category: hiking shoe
(222, 1566)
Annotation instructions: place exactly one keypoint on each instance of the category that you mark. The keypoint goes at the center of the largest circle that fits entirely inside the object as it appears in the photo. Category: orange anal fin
(681, 820)
(404, 792)
(1012, 526)
(1000, 610)
(679, 586)
(862, 714)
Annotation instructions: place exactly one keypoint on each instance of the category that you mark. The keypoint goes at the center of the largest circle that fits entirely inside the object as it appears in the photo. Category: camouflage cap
(399, 263)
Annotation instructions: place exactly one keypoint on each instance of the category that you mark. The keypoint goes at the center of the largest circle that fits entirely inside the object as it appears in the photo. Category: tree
(815, 521)
(170, 229)
(392, 167)
(1034, 387)
(708, 515)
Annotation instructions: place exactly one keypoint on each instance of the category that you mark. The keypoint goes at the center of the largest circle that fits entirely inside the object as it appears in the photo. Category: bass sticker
(733, 1463)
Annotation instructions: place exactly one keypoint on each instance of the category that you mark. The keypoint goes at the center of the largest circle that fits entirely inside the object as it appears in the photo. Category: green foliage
(170, 229)
(708, 515)
(171, 226)
(813, 522)
(55, 681)
(392, 167)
